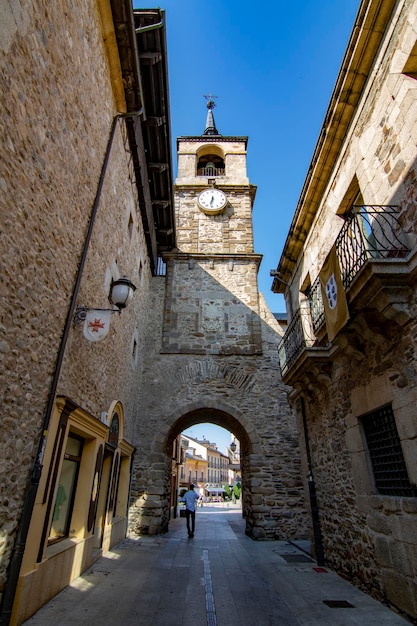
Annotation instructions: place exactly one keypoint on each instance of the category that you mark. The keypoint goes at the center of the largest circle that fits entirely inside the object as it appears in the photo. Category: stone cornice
(199, 256)
(213, 139)
(220, 184)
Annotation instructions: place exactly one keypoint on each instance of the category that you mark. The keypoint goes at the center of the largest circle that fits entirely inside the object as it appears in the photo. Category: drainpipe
(23, 528)
(312, 492)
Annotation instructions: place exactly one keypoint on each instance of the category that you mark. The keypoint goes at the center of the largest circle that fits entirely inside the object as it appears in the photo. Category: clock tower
(212, 299)
(212, 353)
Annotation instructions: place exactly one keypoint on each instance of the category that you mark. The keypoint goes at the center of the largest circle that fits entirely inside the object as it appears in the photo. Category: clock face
(212, 201)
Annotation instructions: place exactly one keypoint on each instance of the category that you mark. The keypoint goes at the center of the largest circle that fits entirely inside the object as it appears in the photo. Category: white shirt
(190, 498)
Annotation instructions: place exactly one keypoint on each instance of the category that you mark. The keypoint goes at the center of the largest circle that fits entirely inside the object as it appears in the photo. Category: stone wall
(96, 374)
(228, 233)
(240, 393)
(367, 537)
(203, 314)
(57, 112)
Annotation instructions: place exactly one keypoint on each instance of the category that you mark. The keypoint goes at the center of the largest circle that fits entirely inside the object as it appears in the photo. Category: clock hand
(212, 200)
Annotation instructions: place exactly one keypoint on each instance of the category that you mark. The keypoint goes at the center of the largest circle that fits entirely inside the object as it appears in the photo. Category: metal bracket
(81, 313)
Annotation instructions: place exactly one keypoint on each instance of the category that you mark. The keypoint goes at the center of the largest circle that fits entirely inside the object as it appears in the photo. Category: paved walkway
(218, 578)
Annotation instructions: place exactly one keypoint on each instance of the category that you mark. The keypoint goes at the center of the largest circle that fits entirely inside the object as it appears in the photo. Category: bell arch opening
(210, 161)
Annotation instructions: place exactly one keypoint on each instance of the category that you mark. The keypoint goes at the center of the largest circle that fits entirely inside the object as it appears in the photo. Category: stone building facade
(86, 198)
(194, 468)
(349, 352)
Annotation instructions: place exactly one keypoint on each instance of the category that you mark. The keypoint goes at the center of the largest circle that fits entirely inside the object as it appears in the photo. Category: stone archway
(222, 418)
(273, 504)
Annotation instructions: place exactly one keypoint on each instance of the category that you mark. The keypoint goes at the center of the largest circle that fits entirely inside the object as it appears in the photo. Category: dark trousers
(188, 515)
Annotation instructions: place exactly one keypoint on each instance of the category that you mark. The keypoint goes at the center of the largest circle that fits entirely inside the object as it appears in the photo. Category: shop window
(64, 499)
(385, 451)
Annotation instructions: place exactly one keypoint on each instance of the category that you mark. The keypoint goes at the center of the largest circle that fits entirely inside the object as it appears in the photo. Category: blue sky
(273, 68)
(213, 433)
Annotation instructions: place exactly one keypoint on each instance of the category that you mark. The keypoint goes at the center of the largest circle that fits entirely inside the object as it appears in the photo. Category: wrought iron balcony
(315, 300)
(299, 334)
(369, 233)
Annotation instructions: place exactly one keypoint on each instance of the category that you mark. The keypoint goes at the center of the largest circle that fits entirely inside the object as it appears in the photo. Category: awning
(215, 489)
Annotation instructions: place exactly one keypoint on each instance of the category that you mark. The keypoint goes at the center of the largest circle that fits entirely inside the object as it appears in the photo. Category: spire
(210, 123)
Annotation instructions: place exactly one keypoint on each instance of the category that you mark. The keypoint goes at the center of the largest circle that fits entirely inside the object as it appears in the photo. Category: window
(114, 431)
(64, 499)
(134, 350)
(390, 471)
(114, 482)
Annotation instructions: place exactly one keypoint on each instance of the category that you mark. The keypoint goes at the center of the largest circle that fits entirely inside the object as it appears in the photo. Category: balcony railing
(299, 334)
(210, 170)
(315, 300)
(368, 233)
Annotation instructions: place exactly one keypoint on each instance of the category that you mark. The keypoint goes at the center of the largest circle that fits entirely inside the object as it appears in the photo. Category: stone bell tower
(211, 355)
(212, 302)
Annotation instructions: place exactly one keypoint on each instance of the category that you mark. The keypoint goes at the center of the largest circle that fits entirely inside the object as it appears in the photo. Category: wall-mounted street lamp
(233, 446)
(121, 291)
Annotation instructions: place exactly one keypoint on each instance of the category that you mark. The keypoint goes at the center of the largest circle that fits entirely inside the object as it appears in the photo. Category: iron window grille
(390, 471)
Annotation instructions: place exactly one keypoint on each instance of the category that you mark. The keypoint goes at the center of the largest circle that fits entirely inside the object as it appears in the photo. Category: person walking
(190, 498)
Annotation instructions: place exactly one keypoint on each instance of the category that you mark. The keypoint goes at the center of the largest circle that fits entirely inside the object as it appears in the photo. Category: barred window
(390, 471)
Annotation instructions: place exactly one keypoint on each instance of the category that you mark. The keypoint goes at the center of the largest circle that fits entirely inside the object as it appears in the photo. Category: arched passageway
(219, 418)
(272, 490)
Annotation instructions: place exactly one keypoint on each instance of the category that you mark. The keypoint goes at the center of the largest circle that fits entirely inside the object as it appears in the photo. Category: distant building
(195, 466)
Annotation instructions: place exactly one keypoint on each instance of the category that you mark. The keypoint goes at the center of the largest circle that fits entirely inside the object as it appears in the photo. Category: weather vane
(210, 102)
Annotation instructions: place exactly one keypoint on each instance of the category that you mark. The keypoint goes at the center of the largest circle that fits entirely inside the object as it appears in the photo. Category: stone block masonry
(203, 314)
(240, 393)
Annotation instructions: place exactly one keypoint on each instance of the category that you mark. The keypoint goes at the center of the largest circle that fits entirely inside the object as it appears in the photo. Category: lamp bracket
(81, 313)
